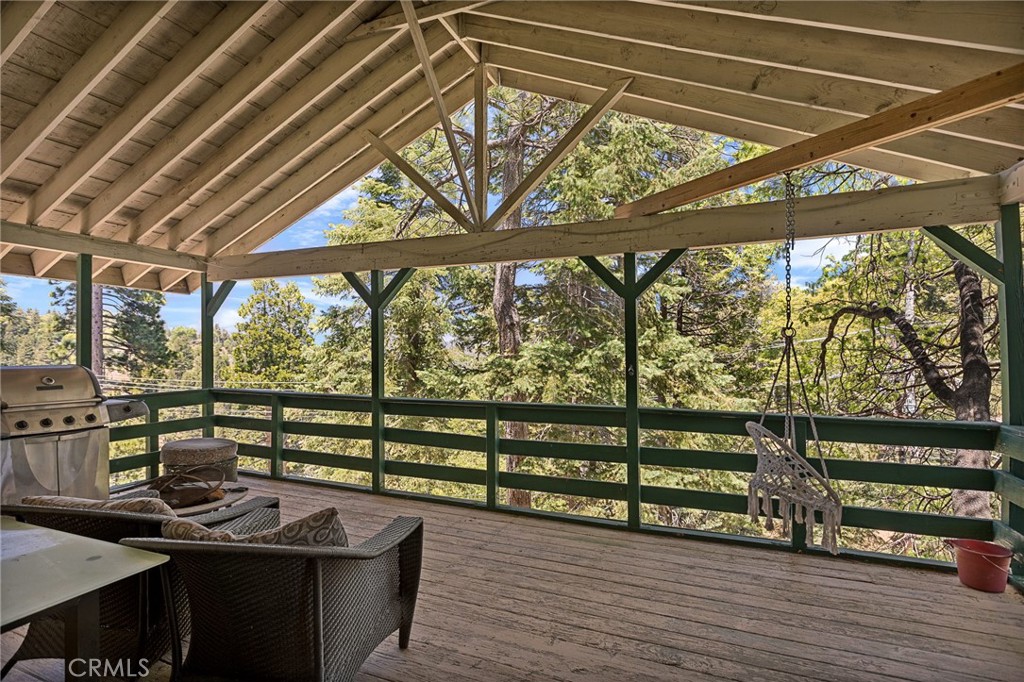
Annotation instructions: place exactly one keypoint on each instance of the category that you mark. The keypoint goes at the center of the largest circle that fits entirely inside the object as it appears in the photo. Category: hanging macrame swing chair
(782, 472)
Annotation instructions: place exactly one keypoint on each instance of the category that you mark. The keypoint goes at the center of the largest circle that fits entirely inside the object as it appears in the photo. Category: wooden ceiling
(207, 128)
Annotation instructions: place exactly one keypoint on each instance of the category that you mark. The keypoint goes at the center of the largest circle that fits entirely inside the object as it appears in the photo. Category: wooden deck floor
(505, 597)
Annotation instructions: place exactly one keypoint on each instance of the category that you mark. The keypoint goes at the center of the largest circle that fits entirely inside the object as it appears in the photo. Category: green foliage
(273, 337)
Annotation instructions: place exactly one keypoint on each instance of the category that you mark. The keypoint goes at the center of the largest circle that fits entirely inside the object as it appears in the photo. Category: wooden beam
(974, 97)
(953, 202)
(62, 242)
(275, 204)
(338, 67)
(820, 51)
(1012, 185)
(369, 91)
(410, 172)
(190, 61)
(762, 89)
(442, 111)
(874, 159)
(961, 248)
(452, 26)
(568, 142)
(319, 19)
(976, 25)
(354, 168)
(21, 264)
(134, 22)
(396, 20)
(481, 153)
(16, 23)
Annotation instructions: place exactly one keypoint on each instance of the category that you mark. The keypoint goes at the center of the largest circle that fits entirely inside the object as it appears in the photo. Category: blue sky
(182, 310)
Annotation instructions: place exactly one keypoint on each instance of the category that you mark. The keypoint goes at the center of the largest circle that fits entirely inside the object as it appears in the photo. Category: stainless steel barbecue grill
(53, 432)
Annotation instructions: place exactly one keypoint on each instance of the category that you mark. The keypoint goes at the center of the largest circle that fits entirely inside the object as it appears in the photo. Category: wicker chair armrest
(265, 518)
(220, 516)
(135, 494)
(387, 539)
(23, 509)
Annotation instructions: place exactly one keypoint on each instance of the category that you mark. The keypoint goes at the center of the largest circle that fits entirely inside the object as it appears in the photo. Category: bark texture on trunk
(970, 401)
(97, 330)
(506, 315)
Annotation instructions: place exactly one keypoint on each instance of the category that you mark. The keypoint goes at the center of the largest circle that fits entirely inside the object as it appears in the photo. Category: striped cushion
(320, 529)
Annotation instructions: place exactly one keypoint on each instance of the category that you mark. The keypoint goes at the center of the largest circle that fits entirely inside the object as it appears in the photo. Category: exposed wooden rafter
(16, 23)
(976, 96)
(439, 199)
(568, 142)
(135, 21)
(45, 238)
(481, 154)
(442, 111)
(224, 30)
(953, 202)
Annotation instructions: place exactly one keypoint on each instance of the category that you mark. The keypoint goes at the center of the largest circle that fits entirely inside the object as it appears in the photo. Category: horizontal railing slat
(563, 486)
(556, 450)
(129, 462)
(230, 421)
(349, 431)
(326, 459)
(160, 428)
(455, 441)
(435, 472)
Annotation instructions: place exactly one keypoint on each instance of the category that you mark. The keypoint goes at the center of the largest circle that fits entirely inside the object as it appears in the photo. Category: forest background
(892, 328)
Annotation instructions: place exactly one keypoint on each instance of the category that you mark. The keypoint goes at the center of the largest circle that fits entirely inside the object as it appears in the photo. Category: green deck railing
(1007, 482)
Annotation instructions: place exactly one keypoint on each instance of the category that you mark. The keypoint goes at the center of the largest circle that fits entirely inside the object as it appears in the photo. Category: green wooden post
(798, 538)
(633, 483)
(153, 442)
(492, 450)
(83, 310)
(276, 436)
(377, 380)
(210, 302)
(1011, 343)
(206, 349)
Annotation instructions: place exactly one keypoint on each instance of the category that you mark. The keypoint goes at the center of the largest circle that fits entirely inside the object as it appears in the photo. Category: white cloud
(813, 253)
(333, 207)
(228, 318)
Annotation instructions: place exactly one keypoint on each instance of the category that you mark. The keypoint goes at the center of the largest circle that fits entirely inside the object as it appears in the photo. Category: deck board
(507, 597)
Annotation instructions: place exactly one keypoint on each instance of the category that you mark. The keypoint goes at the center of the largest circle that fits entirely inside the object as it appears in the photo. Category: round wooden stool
(178, 456)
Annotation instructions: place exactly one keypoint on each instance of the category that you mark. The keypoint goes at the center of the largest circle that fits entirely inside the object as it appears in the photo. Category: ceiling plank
(568, 142)
(190, 61)
(818, 51)
(397, 20)
(977, 25)
(277, 56)
(62, 242)
(338, 67)
(442, 111)
(874, 159)
(952, 202)
(16, 23)
(439, 199)
(370, 91)
(973, 156)
(351, 170)
(982, 94)
(134, 22)
(762, 87)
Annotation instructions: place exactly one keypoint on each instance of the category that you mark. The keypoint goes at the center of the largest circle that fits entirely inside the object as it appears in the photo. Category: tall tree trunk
(97, 330)
(506, 315)
(971, 399)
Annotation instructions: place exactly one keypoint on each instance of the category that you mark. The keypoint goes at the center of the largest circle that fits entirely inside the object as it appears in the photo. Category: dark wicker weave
(291, 613)
(133, 623)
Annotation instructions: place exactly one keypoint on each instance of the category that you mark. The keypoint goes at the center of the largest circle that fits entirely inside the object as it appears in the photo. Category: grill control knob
(22, 425)
(90, 417)
(46, 422)
(69, 420)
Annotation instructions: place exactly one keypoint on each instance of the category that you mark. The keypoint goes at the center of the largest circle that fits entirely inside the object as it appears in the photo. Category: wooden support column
(1011, 313)
(210, 302)
(83, 311)
(377, 298)
(631, 288)
(493, 455)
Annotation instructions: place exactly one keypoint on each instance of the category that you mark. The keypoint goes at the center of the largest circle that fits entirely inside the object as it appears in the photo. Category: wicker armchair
(291, 613)
(133, 623)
